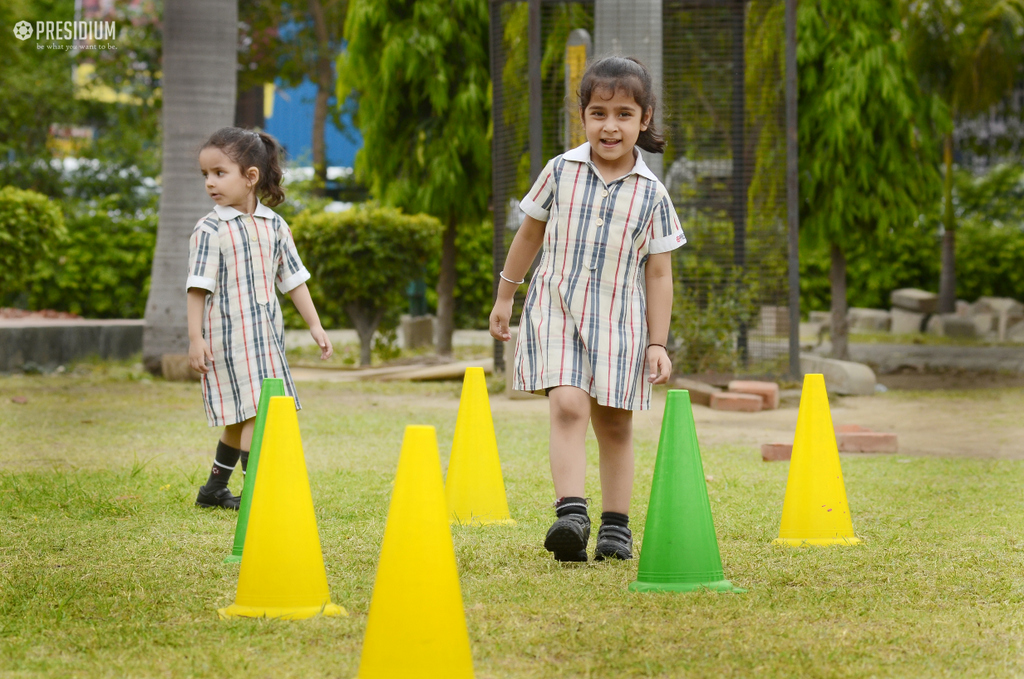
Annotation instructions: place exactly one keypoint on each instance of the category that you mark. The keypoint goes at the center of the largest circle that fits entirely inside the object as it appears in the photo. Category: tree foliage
(361, 260)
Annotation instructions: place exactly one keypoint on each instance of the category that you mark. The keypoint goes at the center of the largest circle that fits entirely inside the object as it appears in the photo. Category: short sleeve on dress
(666, 231)
(537, 203)
(203, 256)
(290, 271)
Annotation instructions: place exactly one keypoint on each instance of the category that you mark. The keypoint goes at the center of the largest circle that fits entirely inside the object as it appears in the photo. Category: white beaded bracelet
(502, 275)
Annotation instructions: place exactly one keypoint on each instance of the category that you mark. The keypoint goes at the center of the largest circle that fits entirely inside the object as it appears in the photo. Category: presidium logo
(77, 31)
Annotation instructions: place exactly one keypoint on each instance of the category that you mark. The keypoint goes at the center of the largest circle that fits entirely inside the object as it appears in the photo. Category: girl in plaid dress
(597, 312)
(236, 254)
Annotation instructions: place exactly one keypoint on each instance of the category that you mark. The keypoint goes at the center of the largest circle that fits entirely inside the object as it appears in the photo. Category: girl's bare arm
(521, 254)
(198, 350)
(304, 303)
(659, 315)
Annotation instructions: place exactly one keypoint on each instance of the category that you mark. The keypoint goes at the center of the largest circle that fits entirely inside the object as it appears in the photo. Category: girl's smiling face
(613, 122)
(225, 183)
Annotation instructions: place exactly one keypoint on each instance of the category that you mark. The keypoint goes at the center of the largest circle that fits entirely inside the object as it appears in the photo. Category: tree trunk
(446, 291)
(199, 81)
(947, 279)
(840, 334)
(366, 324)
(324, 90)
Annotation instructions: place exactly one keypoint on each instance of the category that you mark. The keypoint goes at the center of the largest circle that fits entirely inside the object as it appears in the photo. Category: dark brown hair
(248, 148)
(631, 76)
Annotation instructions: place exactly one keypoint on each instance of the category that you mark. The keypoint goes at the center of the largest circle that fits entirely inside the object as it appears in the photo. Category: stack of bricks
(747, 396)
(850, 438)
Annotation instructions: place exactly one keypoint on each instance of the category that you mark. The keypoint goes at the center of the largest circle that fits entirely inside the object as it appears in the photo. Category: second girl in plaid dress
(597, 312)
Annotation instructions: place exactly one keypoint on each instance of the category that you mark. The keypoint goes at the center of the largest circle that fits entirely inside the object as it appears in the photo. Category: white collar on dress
(581, 154)
(226, 212)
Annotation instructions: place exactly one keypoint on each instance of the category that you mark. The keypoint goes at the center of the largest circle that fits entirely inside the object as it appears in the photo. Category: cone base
(818, 542)
(233, 559)
(289, 613)
(715, 586)
(482, 521)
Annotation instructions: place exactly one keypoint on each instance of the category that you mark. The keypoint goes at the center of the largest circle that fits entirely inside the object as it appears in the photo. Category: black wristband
(652, 344)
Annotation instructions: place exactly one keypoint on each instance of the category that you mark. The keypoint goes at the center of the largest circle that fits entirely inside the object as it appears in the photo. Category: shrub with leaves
(362, 259)
(31, 230)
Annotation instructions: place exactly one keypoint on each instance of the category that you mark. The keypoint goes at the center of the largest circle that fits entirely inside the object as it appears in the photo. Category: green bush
(989, 260)
(103, 268)
(474, 277)
(31, 232)
(361, 261)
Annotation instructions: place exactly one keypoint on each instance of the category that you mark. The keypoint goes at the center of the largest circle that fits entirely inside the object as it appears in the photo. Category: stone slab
(776, 452)
(175, 367)
(954, 325)
(870, 320)
(700, 392)
(915, 299)
(58, 342)
(999, 305)
(866, 442)
(841, 377)
(742, 403)
(768, 391)
(906, 322)
(416, 331)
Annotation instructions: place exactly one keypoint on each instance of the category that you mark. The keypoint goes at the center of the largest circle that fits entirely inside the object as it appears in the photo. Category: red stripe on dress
(534, 199)
(273, 368)
(565, 257)
(241, 313)
(220, 394)
(615, 289)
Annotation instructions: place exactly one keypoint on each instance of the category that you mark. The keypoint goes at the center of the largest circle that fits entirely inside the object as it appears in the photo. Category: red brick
(700, 393)
(866, 442)
(848, 428)
(728, 400)
(769, 391)
(776, 452)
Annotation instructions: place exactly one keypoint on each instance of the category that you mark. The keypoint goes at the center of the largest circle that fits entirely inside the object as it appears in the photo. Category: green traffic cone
(271, 387)
(680, 550)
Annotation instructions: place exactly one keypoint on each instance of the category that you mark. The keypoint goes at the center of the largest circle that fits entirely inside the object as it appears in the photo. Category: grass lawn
(107, 570)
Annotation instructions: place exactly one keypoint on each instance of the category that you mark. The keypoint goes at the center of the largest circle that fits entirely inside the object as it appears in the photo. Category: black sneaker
(613, 542)
(568, 537)
(221, 497)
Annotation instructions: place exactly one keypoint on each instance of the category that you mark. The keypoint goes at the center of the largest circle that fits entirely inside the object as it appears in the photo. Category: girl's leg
(570, 413)
(614, 430)
(215, 493)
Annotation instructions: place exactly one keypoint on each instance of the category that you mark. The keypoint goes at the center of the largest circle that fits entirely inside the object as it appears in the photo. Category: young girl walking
(596, 317)
(236, 254)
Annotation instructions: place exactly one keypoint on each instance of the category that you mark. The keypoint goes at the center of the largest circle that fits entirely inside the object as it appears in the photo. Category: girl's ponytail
(271, 175)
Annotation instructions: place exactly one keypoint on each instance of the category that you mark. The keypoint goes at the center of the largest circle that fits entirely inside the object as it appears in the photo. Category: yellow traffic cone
(815, 511)
(282, 572)
(416, 628)
(474, 488)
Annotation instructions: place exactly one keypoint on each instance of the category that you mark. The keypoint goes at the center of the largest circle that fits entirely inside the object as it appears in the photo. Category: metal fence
(721, 66)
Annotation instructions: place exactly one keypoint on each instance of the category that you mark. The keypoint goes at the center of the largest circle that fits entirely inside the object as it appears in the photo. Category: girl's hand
(500, 315)
(660, 365)
(198, 354)
(322, 341)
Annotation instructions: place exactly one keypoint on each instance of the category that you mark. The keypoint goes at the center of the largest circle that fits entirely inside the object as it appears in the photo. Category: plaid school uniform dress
(584, 322)
(237, 258)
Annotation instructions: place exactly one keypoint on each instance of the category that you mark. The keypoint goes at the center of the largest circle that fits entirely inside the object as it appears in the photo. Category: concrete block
(776, 452)
(175, 367)
(871, 320)
(914, 299)
(1016, 332)
(774, 320)
(841, 377)
(906, 322)
(743, 403)
(769, 391)
(866, 442)
(700, 392)
(984, 321)
(999, 305)
(958, 326)
(416, 331)
(963, 308)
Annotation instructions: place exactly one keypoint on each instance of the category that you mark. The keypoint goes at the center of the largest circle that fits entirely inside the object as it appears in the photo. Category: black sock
(615, 519)
(223, 465)
(244, 459)
(571, 505)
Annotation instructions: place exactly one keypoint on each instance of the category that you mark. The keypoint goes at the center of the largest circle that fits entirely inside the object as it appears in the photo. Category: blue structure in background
(292, 125)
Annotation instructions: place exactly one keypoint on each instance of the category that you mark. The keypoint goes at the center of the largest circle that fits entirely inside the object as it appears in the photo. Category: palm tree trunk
(446, 290)
(199, 81)
(840, 333)
(324, 91)
(947, 279)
